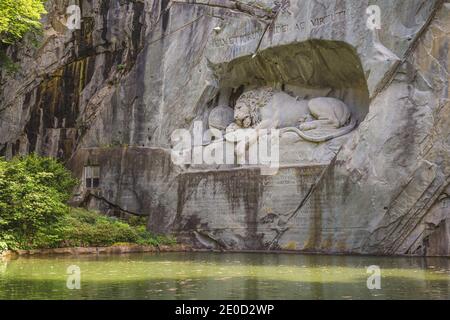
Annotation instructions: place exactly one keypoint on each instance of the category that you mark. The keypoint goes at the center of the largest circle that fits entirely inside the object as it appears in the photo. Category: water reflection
(225, 276)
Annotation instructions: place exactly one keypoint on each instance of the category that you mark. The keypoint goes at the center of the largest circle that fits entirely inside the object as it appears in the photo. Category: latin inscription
(301, 26)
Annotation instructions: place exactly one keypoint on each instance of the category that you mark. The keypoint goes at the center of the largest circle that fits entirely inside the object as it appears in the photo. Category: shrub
(86, 228)
(3, 246)
(33, 192)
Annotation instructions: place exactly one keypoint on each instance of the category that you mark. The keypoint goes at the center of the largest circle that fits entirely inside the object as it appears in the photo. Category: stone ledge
(97, 250)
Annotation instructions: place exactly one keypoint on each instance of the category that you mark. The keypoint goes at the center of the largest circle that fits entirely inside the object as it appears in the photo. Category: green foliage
(3, 246)
(121, 67)
(33, 192)
(51, 172)
(18, 17)
(7, 64)
(86, 228)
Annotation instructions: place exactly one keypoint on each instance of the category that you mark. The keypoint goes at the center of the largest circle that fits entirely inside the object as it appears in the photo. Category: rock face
(111, 94)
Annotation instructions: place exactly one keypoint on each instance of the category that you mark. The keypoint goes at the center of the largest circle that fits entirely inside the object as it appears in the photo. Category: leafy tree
(33, 195)
(18, 17)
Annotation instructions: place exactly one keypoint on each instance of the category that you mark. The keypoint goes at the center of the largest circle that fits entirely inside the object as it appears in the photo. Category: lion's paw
(307, 126)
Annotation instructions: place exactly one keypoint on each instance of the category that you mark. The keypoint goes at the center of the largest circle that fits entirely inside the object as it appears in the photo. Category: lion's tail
(338, 133)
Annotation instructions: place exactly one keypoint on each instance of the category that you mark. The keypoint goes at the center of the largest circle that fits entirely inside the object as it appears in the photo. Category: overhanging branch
(90, 194)
(252, 9)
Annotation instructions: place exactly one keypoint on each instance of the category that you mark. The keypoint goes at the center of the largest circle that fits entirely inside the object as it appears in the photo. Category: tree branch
(254, 10)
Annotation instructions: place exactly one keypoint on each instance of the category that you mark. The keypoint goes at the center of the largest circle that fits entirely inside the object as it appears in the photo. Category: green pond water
(224, 276)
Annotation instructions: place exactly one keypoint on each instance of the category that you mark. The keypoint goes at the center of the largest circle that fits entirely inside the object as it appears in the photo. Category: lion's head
(246, 111)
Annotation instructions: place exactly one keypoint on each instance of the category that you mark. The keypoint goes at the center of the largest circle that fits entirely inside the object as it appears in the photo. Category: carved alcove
(308, 69)
(304, 71)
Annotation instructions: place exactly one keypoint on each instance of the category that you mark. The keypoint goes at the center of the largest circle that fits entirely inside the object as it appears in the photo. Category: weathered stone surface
(220, 117)
(120, 249)
(112, 93)
(48, 105)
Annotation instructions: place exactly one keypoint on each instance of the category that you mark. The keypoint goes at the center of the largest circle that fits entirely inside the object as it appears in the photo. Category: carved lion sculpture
(265, 109)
